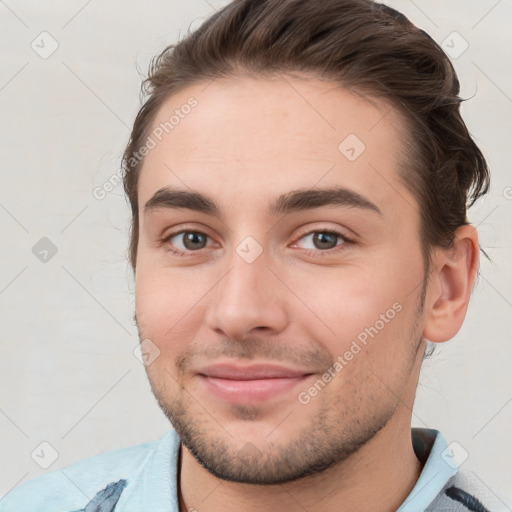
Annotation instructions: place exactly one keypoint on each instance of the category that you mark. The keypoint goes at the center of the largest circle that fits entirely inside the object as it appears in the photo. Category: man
(298, 178)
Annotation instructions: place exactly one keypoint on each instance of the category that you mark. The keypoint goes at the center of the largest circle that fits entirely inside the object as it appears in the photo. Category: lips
(252, 372)
(250, 384)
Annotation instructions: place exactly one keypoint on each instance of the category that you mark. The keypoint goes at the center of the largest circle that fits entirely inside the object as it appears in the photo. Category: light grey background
(69, 376)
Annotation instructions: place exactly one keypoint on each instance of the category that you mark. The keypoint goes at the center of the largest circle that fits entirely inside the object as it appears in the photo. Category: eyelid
(183, 228)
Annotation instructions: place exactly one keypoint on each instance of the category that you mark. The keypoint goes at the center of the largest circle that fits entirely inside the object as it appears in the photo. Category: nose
(249, 296)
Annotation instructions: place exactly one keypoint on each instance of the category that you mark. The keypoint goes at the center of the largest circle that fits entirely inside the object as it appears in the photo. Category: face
(279, 275)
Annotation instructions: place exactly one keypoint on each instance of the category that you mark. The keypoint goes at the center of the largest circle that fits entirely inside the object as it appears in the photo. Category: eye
(193, 241)
(325, 240)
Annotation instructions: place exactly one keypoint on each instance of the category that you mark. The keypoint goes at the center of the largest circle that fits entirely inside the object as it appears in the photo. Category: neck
(377, 478)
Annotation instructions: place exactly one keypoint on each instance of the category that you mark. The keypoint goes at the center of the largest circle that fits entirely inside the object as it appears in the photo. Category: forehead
(241, 139)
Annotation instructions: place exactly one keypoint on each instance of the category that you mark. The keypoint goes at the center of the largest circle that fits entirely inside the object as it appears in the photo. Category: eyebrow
(295, 200)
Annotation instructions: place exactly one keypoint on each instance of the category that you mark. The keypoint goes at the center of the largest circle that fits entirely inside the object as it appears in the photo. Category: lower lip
(244, 391)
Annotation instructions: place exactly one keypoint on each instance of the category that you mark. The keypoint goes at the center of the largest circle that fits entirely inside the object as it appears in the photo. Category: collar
(439, 466)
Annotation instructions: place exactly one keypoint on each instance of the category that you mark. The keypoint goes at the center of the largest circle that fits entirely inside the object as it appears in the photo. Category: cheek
(363, 313)
(372, 348)
(348, 299)
(153, 299)
(168, 305)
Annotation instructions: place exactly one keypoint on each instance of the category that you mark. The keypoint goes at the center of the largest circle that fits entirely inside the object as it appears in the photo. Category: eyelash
(308, 252)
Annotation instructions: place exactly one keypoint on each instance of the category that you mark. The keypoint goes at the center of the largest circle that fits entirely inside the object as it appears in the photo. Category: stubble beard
(326, 440)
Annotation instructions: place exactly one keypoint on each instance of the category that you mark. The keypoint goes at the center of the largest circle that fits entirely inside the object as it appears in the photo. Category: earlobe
(450, 284)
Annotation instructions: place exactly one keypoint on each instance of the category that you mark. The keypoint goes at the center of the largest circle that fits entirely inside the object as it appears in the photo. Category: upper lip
(250, 372)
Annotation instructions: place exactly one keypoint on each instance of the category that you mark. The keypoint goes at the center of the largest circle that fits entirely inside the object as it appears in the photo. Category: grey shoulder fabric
(106, 499)
(443, 486)
(462, 494)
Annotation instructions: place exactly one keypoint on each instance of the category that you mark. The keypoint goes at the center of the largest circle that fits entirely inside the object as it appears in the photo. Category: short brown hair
(361, 45)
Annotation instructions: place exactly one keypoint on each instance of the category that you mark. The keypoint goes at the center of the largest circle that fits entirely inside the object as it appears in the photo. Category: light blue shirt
(143, 478)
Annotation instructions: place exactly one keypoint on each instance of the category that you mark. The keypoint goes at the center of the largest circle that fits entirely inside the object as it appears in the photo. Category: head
(275, 122)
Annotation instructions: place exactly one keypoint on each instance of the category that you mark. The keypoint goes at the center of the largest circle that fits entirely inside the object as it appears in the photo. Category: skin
(248, 141)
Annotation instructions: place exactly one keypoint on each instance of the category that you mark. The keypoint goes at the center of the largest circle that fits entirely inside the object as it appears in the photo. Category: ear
(451, 281)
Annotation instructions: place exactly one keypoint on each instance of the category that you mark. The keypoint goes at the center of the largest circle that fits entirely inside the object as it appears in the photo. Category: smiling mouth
(255, 383)
(251, 390)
